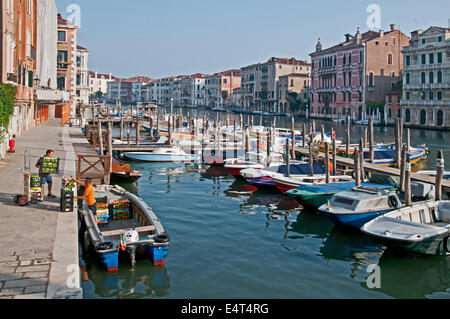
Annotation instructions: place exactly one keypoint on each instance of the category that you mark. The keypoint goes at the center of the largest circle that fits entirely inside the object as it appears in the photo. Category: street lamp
(171, 106)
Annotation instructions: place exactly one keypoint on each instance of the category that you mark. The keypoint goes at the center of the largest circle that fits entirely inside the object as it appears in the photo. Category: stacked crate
(50, 165)
(67, 198)
(35, 189)
(121, 209)
(102, 211)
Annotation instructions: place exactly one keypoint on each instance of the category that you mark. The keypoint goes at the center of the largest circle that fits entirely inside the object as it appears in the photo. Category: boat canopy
(301, 169)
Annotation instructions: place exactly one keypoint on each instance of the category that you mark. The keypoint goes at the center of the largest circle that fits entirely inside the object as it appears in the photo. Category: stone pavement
(38, 244)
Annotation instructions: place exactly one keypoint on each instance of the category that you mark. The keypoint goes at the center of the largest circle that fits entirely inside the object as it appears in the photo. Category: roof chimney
(381, 33)
(393, 27)
(358, 36)
(348, 37)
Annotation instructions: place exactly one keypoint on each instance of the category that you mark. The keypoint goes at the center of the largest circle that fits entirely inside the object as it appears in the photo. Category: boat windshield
(343, 201)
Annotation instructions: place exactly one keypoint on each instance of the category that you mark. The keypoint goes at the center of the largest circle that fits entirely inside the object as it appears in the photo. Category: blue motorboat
(360, 205)
(124, 224)
(317, 195)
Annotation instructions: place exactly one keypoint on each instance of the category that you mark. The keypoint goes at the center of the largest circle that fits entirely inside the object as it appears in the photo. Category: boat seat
(443, 213)
(142, 229)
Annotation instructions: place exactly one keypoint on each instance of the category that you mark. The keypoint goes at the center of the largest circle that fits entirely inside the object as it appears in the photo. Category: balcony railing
(431, 103)
(425, 86)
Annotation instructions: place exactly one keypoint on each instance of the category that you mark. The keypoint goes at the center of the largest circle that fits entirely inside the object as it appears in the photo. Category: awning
(52, 96)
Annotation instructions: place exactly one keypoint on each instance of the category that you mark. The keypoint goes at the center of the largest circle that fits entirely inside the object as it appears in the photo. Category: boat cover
(301, 169)
(385, 179)
(338, 187)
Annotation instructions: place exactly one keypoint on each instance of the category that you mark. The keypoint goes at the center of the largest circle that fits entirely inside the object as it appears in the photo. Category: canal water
(230, 240)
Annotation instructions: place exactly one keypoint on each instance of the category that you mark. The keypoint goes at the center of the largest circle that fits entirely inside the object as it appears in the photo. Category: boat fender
(161, 239)
(447, 244)
(104, 246)
(393, 201)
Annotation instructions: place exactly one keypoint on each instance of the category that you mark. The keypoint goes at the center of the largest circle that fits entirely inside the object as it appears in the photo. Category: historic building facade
(353, 77)
(426, 78)
(260, 82)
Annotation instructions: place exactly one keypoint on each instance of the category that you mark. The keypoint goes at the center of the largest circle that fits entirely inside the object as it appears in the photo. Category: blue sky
(171, 37)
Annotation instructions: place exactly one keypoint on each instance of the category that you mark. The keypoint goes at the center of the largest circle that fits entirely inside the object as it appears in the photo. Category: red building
(352, 78)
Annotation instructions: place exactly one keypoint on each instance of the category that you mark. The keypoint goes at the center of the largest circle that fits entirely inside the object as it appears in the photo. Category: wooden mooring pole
(440, 164)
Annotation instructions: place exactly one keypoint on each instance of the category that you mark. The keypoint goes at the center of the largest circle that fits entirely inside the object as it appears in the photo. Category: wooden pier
(377, 169)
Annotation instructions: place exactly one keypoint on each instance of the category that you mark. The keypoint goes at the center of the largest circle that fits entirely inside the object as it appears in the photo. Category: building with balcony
(82, 82)
(67, 61)
(18, 59)
(426, 78)
(260, 82)
(219, 88)
(98, 82)
(353, 77)
(293, 95)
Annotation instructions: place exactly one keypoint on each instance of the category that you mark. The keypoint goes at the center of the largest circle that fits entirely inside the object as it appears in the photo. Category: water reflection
(311, 225)
(419, 277)
(239, 189)
(145, 282)
(348, 245)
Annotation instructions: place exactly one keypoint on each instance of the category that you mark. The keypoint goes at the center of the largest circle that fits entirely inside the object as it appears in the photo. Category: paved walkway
(39, 244)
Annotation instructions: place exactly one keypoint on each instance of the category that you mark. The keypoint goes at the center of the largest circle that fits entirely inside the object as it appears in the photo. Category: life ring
(393, 201)
(104, 245)
(447, 244)
(161, 239)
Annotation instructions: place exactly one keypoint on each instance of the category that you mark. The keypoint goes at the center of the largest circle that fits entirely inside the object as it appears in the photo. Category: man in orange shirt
(88, 194)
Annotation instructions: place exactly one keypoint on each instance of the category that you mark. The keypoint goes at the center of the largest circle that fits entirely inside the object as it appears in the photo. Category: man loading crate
(88, 194)
(46, 178)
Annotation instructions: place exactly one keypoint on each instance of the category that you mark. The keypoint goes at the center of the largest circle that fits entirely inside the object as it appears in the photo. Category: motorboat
(360, 205)
(166, 155)
(261, 178)
(252, 160)
(301, 175)
(124, 224)
(317, 195)
(422, 228)
(386, 157)
(123, 172)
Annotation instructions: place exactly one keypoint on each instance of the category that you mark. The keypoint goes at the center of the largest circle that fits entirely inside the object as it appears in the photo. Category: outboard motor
(131, 237)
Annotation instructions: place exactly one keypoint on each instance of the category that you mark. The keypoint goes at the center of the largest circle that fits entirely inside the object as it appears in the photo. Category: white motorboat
(422, 228)
(166, 155)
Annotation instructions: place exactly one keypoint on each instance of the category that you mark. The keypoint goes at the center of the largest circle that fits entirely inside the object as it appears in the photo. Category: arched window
(344, 95)
(345, 59)
(423, 78)
(390, 112)
(439, 77)
(371, 79)
(440, 118)
(360, 57)
(389, 58)
(423, 117)
(408, 78)
(408, 116)
(431, 77)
